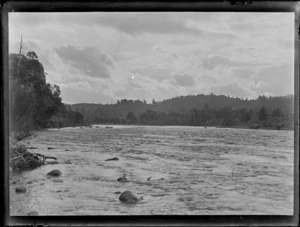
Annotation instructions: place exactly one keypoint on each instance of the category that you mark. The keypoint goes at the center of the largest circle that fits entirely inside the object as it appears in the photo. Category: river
(193, 170)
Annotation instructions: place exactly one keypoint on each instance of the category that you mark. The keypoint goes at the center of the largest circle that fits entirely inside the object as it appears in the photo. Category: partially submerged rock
(123, 179)
(112, 159)
(54, 173)
(68, 162)
(129, 197)
(21, 189)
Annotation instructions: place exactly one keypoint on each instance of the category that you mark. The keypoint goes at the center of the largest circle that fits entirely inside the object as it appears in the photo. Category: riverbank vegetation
(196, 110)
(34, 103)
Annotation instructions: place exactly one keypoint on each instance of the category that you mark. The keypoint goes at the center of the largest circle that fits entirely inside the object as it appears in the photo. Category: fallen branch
(17, 157)
(44, 156)
(21, 159)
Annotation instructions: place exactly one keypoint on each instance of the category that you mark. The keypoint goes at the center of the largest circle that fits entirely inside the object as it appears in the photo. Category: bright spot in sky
(132, 77)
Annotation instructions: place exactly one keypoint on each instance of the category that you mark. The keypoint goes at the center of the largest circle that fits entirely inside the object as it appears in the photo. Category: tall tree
(263, 115)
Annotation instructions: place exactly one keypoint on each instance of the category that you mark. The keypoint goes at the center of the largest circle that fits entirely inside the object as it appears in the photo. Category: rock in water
(123, 179)
(54, 173)
(21, 189)
(129, 197)
(112, 159)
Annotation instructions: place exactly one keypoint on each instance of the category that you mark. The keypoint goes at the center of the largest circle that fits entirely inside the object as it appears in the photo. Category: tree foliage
(197, 110)
(263, 115)
(33, 102)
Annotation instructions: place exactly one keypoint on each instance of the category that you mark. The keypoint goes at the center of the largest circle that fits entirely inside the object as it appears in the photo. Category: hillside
(206, 110)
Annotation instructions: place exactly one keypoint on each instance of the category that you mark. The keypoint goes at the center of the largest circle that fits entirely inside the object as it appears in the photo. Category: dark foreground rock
(54, 173)
(112, 159)
(21, 189)
(129, 197)
(33, 213)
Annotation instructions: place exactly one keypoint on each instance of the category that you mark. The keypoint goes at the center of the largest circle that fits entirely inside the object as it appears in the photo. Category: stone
(129, 197)
(54, 173)
(68, 162)
(21, 189)
(112, 159)
(123, 179)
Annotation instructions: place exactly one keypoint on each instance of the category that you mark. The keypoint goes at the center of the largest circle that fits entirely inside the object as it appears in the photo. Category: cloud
(232, 89)
(184, 80)
(89, 60)
(244, 73)
(280, 79)
(214, 60)
(242, 54)
(137, 23)
(158, 74)
(78, 94)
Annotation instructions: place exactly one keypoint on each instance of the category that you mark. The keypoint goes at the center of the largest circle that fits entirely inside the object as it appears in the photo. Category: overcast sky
(102, 57)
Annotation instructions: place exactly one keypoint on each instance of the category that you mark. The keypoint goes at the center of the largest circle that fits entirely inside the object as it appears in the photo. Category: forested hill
(34, 103)
(205, 110)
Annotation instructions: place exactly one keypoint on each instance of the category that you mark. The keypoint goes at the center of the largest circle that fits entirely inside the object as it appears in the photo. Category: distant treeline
(196, 110)
(33, 102)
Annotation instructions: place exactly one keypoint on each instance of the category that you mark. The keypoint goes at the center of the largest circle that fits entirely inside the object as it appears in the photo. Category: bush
(22, 135)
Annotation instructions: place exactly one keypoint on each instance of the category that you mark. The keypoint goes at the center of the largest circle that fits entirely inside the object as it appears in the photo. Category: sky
(102, 57)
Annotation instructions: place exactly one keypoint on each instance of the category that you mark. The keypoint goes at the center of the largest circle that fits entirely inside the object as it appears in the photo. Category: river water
(193, 170)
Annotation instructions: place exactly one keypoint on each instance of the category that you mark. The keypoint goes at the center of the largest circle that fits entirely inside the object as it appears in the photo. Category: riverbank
(203, 126)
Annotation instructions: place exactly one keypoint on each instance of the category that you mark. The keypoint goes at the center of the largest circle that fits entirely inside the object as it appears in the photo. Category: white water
(194, 170)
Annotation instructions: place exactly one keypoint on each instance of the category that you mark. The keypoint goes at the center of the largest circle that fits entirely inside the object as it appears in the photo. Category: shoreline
(88, 125)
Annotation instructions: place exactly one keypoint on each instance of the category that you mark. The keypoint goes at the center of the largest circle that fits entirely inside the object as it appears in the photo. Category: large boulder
(54, 173)
(21, 189)
(129, 197)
